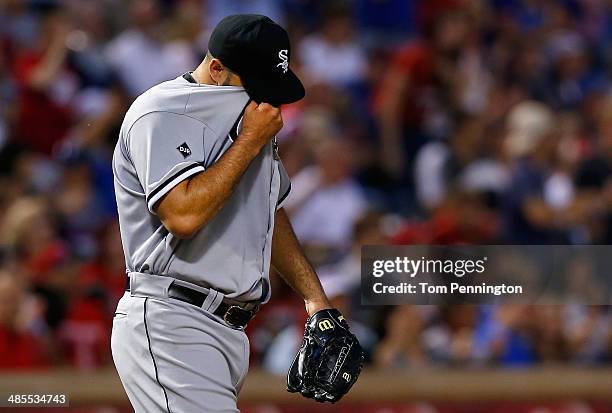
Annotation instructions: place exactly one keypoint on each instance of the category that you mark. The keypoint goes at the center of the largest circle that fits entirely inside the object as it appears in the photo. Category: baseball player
(199, 188)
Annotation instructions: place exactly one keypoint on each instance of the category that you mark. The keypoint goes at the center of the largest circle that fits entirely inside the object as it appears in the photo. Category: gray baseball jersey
(171, 132)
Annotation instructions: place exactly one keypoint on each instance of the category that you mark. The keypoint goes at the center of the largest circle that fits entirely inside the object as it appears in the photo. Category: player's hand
(329, 360)
(260, 123)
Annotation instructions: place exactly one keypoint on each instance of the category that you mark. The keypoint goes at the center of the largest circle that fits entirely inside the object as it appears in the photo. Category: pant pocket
(123, 306)
(245, 367)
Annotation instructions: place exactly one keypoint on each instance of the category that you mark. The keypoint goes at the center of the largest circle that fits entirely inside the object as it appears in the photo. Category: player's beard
(227, 80)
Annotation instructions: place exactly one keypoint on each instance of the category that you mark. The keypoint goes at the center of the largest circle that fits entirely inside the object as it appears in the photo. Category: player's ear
(216, 70)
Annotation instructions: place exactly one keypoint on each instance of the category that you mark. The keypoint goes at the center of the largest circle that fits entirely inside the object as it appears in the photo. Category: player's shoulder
(212, 103)
(178, 101)
(167, 97)
(217, 107)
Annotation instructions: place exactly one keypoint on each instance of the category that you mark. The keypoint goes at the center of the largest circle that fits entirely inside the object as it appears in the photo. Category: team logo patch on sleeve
(184, 150)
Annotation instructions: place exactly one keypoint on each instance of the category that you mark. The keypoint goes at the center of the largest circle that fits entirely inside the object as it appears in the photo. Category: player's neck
(202, 76)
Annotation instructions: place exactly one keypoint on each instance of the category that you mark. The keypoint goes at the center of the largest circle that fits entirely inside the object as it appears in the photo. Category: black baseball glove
(329, 361)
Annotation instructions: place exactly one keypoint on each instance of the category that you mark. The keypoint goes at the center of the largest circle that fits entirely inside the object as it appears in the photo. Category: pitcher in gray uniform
(199, 188)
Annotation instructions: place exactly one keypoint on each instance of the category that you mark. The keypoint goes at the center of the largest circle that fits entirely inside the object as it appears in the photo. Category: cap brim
(275, 90)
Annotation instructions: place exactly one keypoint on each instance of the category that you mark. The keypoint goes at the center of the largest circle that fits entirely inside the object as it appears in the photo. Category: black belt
(234, 315)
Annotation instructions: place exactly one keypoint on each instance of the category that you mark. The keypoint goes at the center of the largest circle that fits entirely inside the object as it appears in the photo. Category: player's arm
(330, 358)
(196, 200)
(290, 262)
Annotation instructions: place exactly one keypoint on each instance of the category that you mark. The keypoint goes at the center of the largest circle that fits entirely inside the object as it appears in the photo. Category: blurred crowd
(425, 122)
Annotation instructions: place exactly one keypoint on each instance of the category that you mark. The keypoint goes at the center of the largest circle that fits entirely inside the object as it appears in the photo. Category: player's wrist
(312, 306)
(251, 144)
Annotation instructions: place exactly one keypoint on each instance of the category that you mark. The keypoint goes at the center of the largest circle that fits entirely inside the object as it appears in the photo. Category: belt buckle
(233, 317)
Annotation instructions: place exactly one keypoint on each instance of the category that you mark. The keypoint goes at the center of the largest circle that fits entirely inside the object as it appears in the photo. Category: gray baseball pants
(174, 357)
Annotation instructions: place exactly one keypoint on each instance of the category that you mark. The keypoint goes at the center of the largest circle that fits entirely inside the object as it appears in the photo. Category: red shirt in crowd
(415, 62)
(43, 116)
(20, 350)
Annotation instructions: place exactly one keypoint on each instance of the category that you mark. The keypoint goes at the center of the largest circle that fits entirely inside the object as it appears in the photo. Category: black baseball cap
(258, 50)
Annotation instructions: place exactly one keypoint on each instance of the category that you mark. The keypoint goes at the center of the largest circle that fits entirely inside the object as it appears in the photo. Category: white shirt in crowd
(324, 214)
(142, 62)
(332, 63)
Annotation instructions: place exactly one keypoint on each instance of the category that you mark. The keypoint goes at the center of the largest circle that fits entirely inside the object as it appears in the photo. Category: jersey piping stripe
(152, 357)
(222, 148)
(233, 133)
(282, 198)
(187, 171)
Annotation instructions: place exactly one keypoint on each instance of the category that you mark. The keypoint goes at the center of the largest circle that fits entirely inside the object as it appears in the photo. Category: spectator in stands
(80, 206)
(571, 75)
(144, 42)
(449, 339)
(465, 163)
(218, 9)
(46, 87)
(42, 257)
(504, 335)
(7, 96)
(414, 88)
(104, 273)
(588, 330)
(550, 338)
(346, 273)
(99, 103)
(85, 331)
(18, 25)
(531, 144)
(593, 180)
(401, 346)
(333, 56)
(23, 332)
(327, 201)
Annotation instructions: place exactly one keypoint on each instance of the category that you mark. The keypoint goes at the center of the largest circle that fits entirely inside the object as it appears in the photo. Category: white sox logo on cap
(244, 41)
(283, 55)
